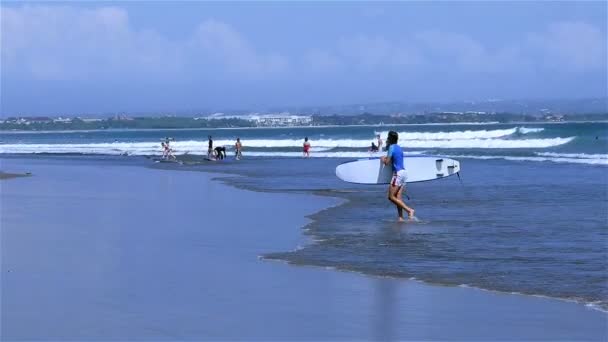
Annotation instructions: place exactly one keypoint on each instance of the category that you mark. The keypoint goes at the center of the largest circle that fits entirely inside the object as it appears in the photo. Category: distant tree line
(47, 124)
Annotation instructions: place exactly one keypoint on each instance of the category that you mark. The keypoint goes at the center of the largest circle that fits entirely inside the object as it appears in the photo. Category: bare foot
(401, 219)
(410, 215)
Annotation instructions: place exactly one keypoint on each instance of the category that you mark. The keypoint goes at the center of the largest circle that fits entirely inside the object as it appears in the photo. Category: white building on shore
(266, 120)
(281, 120)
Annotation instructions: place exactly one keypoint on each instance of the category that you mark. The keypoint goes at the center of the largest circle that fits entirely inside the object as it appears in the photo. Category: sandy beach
(95, 250)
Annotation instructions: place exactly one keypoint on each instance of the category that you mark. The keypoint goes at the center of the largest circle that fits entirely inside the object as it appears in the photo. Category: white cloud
(225, 45)
(575, 46)
(570, 46)
(68, 43)
(51, 42)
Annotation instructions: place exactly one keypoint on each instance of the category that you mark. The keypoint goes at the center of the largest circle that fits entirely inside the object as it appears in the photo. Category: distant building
(554, 118)
(62, 120)
(39, 119)
(281, 120)
(122, 117)
(266, 120)
(90, 119)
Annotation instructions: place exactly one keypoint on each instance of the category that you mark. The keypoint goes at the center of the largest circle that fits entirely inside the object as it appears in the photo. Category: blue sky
(96, 57)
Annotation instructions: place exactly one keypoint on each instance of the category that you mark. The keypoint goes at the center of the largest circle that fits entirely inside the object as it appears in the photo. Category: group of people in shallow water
(219, 152)
(393, 157)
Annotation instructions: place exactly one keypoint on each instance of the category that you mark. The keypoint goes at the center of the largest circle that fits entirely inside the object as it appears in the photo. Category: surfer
(394, 157)
(237, 149)
(306, 148)
(210, 148)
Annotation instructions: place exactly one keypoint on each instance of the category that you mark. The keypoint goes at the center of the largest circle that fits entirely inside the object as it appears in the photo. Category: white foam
(349, 154)
(589, 161)
(572, 155)
(526, 130)
(200, 147)
(477, 134)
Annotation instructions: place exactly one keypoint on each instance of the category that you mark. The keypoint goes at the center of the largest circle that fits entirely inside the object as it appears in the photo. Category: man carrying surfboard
(394, 157)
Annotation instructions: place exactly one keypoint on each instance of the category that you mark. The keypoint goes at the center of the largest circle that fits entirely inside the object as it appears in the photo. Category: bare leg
(394, 195)
(392, 190)
(410, 211)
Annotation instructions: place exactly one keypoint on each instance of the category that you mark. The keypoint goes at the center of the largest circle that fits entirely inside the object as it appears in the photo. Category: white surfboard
(419, 169)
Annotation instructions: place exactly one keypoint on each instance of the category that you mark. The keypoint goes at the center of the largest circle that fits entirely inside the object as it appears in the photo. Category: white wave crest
(344, 154)
(478, 134)
(572, 155)
(200, 147)
(469, 134)
(589, 161)
(526, 130)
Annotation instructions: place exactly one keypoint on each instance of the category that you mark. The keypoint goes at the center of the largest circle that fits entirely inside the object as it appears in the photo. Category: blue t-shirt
(396, 155)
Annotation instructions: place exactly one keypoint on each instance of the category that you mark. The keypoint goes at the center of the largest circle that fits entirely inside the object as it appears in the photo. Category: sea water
(529, 214)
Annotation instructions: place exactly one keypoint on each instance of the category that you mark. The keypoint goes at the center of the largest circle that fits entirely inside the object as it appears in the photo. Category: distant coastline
(65, 125)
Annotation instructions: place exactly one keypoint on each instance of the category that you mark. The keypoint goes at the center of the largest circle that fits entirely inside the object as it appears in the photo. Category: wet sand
(93, 250)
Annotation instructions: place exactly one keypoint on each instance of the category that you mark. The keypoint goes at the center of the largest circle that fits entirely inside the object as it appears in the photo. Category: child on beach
(237, 149)
(306, 148)
(394, 157)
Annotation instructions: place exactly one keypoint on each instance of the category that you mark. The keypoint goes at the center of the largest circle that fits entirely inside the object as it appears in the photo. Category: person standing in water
(237, 149)
(210, 148)
(394, 156)
(379, 142)
(306, 148)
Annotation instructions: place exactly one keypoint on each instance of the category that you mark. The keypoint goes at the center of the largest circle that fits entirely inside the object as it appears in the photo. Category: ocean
(528, 215)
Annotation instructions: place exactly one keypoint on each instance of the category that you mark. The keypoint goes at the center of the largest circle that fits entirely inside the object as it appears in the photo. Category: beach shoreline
(232, 305)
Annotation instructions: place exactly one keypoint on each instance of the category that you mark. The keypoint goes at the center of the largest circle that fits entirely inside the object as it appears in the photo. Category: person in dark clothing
(210, 148)
(220, 152)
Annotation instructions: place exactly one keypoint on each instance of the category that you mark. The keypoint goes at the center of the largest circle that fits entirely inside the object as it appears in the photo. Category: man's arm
(387, 159)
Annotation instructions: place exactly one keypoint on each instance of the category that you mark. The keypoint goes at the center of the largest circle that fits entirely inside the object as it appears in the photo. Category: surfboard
(419, 169)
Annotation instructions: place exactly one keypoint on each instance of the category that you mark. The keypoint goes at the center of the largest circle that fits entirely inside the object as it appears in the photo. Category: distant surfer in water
(237, 149)
(306, 148)
(394, 157)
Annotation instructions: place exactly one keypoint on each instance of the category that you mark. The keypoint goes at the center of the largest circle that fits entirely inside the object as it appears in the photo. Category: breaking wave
(200, 147)
(460, 135)
(602, 160)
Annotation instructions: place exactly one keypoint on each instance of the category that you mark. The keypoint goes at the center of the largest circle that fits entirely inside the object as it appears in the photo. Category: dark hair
(392, 138)
(306, 139)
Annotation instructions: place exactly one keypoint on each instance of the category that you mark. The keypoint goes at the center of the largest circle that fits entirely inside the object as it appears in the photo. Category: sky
(100, 57)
